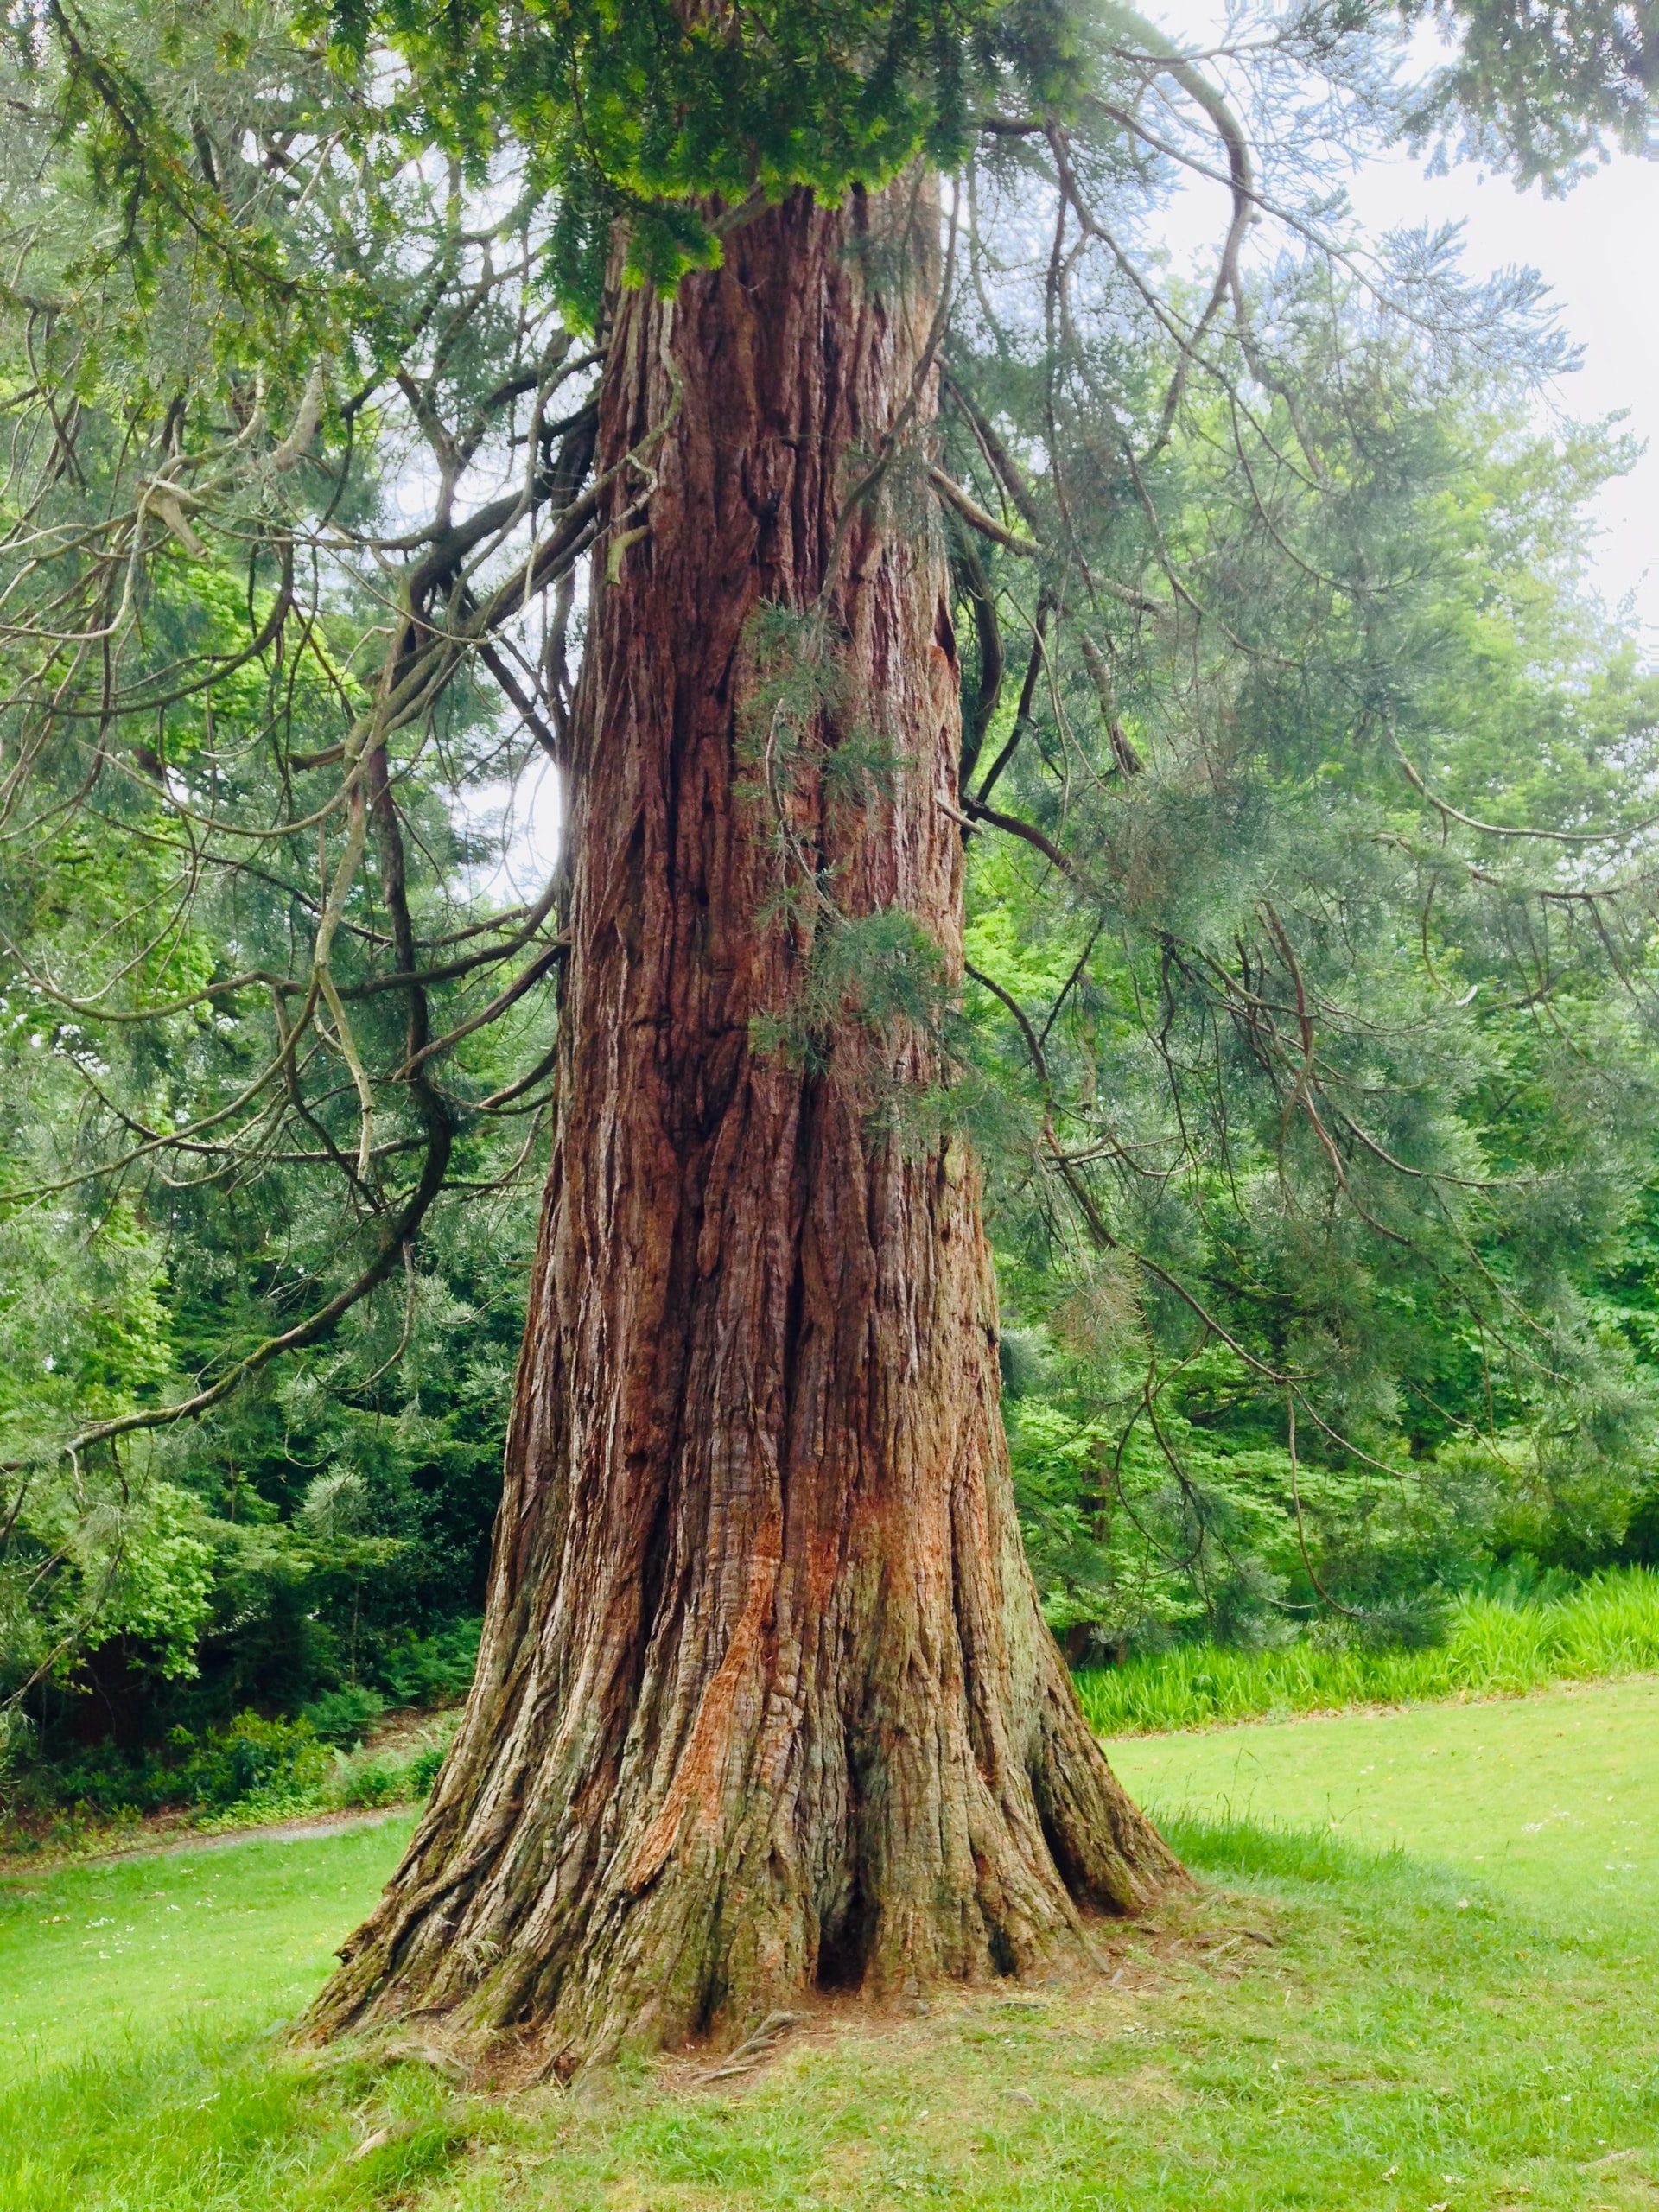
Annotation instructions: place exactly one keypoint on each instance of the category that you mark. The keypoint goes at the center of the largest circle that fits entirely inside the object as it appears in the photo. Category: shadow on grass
(1247, 1850)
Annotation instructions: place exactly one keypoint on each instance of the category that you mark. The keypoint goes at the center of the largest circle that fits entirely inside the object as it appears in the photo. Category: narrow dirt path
(16, 1867)
(275, 1832)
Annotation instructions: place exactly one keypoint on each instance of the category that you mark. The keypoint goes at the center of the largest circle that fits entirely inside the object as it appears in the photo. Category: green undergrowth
(1325, 2025)
(254, 1774)
(358, 1781)
(1607, 1627)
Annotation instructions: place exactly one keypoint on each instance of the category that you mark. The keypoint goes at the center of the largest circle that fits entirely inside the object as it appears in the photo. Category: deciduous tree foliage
(810, 376)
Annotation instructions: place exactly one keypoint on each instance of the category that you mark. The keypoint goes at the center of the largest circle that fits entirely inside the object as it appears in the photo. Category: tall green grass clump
(1607, 1626)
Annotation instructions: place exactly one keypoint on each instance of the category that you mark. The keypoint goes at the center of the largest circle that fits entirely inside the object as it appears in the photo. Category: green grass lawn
(1461, 2017)
(108, 1957)
(1554, 1798)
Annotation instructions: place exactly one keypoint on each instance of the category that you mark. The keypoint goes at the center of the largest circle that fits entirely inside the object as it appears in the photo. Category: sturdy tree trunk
(765, 1700)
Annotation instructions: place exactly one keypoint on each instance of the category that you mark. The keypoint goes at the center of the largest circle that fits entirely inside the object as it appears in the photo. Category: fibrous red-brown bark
(765, 1698)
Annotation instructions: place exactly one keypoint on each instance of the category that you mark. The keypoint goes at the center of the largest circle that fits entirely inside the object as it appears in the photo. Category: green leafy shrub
(424, 1767)
(344, 1716)
(225, 1767)
(377, 1784)
(249, 1755)
(431, 1669)
(102, 1782)
(395, 1773)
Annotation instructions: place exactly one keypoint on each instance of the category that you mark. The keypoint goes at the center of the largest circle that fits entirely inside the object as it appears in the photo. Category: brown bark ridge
(765, 1700)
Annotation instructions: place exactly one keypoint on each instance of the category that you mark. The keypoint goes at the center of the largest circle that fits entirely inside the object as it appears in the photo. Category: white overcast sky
(1595, 250)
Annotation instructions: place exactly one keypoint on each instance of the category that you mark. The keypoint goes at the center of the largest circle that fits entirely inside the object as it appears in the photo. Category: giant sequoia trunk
(765, 1700)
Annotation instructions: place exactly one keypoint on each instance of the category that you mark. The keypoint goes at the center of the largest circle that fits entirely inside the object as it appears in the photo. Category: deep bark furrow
(765, 1696)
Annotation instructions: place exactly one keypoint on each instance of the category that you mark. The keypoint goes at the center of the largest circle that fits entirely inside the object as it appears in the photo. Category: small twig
(754, 2048)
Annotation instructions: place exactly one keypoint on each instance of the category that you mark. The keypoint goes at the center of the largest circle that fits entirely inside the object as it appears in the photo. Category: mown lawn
(108, 1957)
(1555, 1796)
(1443, 2024)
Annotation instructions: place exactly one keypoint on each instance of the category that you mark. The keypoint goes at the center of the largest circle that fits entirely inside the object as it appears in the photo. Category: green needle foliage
(641, 114)
(1542, 91)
